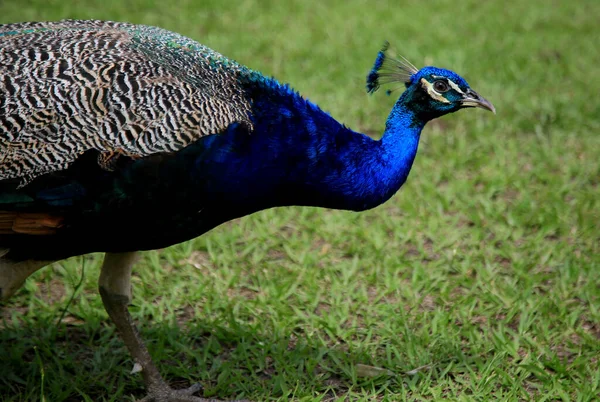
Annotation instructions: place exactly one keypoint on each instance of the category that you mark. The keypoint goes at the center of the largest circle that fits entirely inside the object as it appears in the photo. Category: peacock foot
(165, 393)
(115, 290)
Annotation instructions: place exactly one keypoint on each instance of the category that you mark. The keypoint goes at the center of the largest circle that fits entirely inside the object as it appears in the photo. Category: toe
(167, 394)
(188, 391)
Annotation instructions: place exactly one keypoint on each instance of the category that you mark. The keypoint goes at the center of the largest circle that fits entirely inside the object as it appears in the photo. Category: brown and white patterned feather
(70, 86)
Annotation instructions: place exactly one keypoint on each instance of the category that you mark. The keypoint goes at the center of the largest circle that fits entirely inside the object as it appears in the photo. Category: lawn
(479, 280)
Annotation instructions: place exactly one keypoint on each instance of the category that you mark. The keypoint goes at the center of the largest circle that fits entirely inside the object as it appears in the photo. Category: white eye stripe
(455, 87)
(452, 84)
(432, 92)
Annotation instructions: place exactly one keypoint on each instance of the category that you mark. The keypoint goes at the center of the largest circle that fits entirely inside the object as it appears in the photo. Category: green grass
(479, 280)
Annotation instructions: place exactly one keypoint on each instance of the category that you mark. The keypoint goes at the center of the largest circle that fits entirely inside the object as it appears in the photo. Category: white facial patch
(452, 84)
(432, 92)
(455, 87)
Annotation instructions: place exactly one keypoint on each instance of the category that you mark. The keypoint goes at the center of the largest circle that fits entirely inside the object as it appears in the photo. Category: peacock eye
(441, 86)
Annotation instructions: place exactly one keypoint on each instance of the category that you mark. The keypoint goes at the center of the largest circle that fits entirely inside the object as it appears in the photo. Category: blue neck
(399, 144)
(299, 155)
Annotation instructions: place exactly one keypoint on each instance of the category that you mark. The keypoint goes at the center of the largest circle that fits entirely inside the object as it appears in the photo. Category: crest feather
(387, 70)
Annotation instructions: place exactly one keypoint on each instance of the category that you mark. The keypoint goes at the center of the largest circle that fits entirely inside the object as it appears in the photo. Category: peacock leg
(13, 275)
(115, 290)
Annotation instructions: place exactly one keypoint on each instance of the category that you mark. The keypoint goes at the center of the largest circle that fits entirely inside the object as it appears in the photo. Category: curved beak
(473, 99)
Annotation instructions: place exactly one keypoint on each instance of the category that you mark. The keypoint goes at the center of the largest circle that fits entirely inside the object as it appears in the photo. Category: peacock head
(431, 91)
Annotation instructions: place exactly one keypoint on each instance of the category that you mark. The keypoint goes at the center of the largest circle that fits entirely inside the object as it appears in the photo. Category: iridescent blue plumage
(155, 139)
(282, 150)
(431, 71)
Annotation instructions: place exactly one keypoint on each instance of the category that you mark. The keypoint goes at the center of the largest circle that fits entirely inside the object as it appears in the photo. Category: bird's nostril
(473, 94)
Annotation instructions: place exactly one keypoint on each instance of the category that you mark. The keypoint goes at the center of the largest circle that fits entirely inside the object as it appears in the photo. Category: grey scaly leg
(13, 275)
(115, 290)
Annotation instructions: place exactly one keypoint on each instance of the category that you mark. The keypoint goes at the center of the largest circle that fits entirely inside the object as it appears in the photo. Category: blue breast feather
(297, 154)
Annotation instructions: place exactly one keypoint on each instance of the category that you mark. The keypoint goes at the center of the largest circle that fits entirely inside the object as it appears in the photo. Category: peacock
(119, 138)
